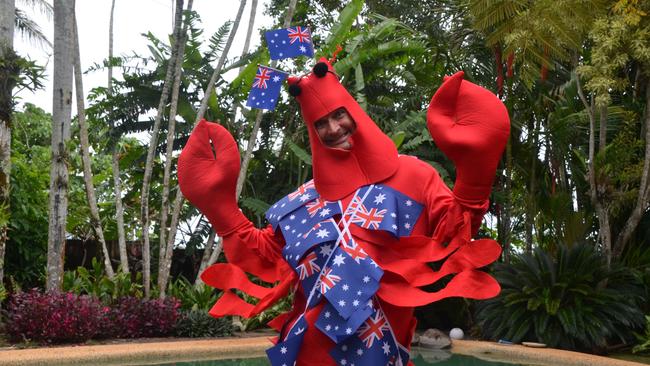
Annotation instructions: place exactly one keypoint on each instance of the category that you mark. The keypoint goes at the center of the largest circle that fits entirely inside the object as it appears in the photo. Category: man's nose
(332, 125)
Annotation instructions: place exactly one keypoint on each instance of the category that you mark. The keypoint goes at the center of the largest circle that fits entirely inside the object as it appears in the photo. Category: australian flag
(266, 87)
(289, 43)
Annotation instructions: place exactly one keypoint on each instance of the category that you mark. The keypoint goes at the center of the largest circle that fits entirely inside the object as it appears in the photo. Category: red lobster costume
(354, 243)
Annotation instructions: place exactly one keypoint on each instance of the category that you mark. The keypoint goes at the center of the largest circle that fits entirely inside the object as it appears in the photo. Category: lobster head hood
(338, 172)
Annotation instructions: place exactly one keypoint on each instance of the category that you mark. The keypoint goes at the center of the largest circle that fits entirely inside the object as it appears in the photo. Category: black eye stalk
(320, 69)
(294, 90)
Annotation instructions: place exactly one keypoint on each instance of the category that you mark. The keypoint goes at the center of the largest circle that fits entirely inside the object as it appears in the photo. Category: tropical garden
(570, 205)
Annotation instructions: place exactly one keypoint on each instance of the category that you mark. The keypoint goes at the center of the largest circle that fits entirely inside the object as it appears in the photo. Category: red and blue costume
(353, 244)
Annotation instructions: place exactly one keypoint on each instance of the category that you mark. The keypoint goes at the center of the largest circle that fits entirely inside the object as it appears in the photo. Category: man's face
(335, 129)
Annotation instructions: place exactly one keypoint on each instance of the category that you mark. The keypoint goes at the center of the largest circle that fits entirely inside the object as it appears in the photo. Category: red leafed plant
(53, 317)
(132, 317)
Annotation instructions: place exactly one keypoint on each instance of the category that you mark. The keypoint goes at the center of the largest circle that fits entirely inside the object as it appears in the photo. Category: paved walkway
(141, 353)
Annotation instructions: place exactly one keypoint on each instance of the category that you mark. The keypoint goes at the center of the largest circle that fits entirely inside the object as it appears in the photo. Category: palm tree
(28, 28)
(61, 108)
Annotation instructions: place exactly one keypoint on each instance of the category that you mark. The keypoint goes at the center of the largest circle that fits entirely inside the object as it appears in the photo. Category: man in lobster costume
(353, 244)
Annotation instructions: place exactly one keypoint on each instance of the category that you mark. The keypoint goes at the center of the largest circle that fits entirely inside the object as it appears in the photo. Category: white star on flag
(386, 348)
(379, 199)
(339, 259)
(348, 330)
(303, 49)
(345, 287)
(407, 225)
(409, 203)
(283, 349)
(322, 233)
(292, 217)
(392, 214)
(324, 212)
(341, 302)
(366, 279)
(304, 197)
(276, 78)
(326, 250)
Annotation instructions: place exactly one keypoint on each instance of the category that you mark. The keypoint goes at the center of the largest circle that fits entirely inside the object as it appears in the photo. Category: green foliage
(191, 297)
(644, 339)
(258, 206)
(301, 153)
(267, 315)
(95, 283)
(25, 257)
(571, 301)
(197, 323)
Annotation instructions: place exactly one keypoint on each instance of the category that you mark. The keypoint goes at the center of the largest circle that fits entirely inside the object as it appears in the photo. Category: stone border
(221, 348)
(491, 351)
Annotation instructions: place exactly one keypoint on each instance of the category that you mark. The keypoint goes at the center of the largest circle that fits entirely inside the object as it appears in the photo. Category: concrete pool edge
(140, 353)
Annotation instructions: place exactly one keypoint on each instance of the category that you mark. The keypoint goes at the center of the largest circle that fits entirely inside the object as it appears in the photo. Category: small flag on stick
(265, 91)
(289, 43)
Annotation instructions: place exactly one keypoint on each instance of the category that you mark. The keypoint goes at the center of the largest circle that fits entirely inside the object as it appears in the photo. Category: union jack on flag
(301, 190)
(368, 218)
(266, 87)
(315, 206)
(289, 43)
(373, 328)
(300, 34)
(308, 266)
(327, 280)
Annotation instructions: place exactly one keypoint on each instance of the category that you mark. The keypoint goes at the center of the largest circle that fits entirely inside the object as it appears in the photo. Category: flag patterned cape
(332, 268)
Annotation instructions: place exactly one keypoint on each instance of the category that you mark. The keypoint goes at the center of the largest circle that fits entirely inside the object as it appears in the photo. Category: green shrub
(198, 323)
(202, 297)
(95, 283)
(644, 339)
(573, 301)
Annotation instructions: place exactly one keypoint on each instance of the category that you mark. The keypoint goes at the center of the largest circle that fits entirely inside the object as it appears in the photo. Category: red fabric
(207, 173)
(373, 156)
(471, 126)
(468, 123)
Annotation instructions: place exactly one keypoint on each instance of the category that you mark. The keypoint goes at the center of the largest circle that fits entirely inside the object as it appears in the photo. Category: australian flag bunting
(387, 209)
(265, 91)
(289, 43)
(285, 352)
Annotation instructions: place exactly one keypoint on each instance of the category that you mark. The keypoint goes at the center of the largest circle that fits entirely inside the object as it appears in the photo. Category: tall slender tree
(151, 152)
(61, 108)
(167, 248)
(178, 201)
(95, 220)
(258, 119)
(115, 159)
(7, 73)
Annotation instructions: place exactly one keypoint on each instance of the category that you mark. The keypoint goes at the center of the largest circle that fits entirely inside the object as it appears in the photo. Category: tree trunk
(604, 230)
(643, 197)
(249, 33)
(178, 202)
(61, 107)
(144, 209)
(165, 251)
(222, 60)
(115, 160)
(258, 119)
(7, 81)
(209, 257)
(95, 220)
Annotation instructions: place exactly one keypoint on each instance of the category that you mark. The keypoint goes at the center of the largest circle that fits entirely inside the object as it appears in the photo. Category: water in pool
(422, 358)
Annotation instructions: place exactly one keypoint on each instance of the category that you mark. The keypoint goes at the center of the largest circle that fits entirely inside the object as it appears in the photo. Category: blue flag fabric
(337, 327)
(346, 284)
(286, 352)
(387, 209)
(265, 91)
(289, 43)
